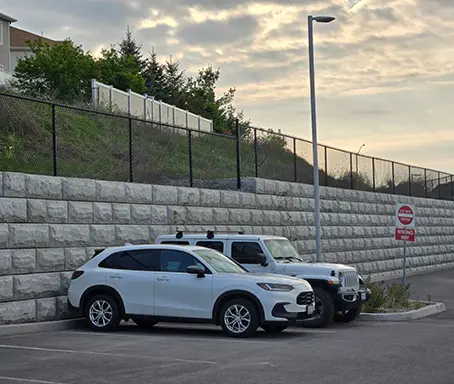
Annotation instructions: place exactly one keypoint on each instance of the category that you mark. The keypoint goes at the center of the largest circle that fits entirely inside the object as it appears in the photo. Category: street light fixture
(357, 153)
(318, 230)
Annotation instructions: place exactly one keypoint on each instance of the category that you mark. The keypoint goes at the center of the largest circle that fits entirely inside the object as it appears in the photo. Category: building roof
(7, 18)
(19, 37)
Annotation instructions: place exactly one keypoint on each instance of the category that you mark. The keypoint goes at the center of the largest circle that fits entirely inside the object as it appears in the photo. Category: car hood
(270, 278)
(313, 268)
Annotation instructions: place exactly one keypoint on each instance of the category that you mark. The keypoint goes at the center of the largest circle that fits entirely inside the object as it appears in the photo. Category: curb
(404, 316)
(48, 326)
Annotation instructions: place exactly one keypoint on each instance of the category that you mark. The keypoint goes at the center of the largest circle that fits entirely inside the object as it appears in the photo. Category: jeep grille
(351, 279)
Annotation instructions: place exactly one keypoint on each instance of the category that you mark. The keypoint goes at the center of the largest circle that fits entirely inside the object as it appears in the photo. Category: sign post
(405, 231)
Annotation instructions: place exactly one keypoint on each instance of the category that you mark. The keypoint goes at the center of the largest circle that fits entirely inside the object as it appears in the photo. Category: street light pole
(318, 229)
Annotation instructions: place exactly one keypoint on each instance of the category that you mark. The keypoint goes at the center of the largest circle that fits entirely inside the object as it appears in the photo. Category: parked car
(339, 291)
(153, 283)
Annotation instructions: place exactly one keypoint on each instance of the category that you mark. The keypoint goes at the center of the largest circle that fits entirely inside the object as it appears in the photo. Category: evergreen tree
(130, 47)
(153, 75)
(174, 84)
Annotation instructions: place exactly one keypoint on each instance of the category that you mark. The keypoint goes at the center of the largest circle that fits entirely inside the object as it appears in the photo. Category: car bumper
(74, 311)
(280, 312)
(351, 300)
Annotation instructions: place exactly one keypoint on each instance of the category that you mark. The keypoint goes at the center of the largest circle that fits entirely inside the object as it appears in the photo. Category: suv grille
(351, 279)
(305, 298)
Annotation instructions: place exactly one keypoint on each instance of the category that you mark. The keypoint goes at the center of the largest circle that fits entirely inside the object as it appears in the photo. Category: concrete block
(15, 312)
(136, 234)
(157, 230)
(80, 212)
(62, 308)
(231, 199)
(221, 216)
(13, 210)
(36, 286)
(13, 184)
(79, 189)
(6, 288)
(139, 193)
(75, 257)
(121, 213)
(65, 280)
(271, 218)
(210, 198)
(37, 211)
(200, 215)
(6, 262)
(256, 217)
(110, 191)
(173, 215)
(140, 214)
(4, 235)
(43, 187)
(188, 196)
(28, 235)
(69, 235)
(46, 309)
(23, 260)
(102, 213)
(102, 235)
(165, 195)
(278, 203)
(264, 202)
(240, 216)
(57, 212)
(52, 260)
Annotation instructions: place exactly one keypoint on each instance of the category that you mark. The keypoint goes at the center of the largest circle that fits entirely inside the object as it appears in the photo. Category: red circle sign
(405, 215)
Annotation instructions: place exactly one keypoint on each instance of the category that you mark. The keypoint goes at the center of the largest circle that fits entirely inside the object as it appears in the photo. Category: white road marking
(104, 354)
(28, 380)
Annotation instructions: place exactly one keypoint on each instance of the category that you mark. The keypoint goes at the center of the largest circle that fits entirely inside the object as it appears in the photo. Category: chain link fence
(42, 137)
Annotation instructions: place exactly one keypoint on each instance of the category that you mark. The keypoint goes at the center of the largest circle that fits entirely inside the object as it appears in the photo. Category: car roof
(221, 236)
(132, 247)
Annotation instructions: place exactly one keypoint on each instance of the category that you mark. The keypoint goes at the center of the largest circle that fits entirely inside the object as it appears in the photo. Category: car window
(219, 262)
(134, 260)
(175, 242)
(177, 261)
(216, 245)
(246, 253)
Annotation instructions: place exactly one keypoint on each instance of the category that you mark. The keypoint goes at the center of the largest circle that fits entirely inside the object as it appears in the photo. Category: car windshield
(219, 262)
(282, 249)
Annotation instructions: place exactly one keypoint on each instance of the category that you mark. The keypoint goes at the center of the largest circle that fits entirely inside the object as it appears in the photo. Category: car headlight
(341, 278)
(275, 287)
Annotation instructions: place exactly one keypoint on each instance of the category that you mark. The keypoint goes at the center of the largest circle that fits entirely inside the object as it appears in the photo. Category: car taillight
(76, 274)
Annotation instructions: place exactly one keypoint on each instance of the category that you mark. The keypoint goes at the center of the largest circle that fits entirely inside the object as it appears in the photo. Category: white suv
(151, 283)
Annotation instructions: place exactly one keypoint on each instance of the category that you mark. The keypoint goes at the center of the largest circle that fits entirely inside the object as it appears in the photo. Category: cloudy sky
(385, 68)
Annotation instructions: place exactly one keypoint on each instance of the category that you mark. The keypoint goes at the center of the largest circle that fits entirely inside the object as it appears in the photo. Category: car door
(178, 293)
(132, 274)
(248, 254)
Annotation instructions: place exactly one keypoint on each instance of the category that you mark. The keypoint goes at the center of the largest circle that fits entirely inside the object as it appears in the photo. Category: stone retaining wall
(49, 226)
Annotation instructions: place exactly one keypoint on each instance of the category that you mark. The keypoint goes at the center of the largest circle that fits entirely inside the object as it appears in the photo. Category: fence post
(198, 122)
(295, 175)
(129, 102)
(326, 166)
(130, 135)
(110, 97)
(173, 115)
(393, 177)
(452, 189)
(93, 91)
(373, 174)
(160, 112)
(351, 172)
(191, 176)
(187, 119)
(439, 186)
(54, 140)
(152, 109)
(145, 106)
(410, 180)
(256, 158)
(238, 161)
(425, 182)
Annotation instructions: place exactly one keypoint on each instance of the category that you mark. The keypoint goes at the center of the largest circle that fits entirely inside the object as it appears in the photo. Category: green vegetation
(390, 298)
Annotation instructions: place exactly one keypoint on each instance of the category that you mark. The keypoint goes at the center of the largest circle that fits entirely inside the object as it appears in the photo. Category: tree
(174, 81)
(62, 71)
(120, 71)
(129, 47)
(153, 75)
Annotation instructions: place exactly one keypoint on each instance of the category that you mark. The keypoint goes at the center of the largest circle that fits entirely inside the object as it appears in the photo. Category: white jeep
(339, 290)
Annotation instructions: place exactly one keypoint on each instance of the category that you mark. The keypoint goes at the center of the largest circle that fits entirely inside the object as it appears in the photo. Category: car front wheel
(239, 318)
(324, 309)
(102, 313)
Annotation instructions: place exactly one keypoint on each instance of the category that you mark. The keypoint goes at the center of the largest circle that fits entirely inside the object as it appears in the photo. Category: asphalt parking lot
(413, 352)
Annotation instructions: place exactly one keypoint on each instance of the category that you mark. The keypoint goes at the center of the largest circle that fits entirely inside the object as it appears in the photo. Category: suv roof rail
(210, 233)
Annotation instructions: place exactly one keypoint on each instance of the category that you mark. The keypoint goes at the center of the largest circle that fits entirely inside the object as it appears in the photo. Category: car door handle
(162, 279)
(115, 276)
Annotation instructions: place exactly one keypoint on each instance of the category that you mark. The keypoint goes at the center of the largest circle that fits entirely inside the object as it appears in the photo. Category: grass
(390, 298)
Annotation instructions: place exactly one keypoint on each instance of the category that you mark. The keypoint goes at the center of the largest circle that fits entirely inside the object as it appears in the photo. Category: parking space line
(16, 379)
(6, 346)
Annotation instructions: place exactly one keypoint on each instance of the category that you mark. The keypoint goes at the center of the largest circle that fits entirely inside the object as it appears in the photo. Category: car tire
(348, 316)
(144, 323)
(324, 309)
(102, 313)
(273, 328)
(247, 327)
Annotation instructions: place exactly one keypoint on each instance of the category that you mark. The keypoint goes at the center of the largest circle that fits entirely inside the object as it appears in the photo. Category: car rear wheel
(348, 316)
(102, 313)
(273, 328)
(324, 309)
(144, 323)
(239, 318)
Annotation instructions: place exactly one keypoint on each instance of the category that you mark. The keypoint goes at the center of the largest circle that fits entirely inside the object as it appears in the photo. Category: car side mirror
(196, 270)
(262, 259)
